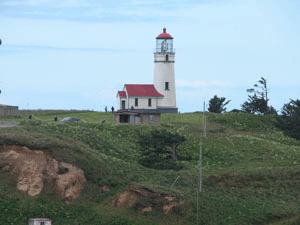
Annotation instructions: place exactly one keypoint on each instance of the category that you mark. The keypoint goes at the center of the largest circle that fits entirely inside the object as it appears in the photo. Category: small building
(39, 221)
(137, 117)
(7, 111)
(141, 97)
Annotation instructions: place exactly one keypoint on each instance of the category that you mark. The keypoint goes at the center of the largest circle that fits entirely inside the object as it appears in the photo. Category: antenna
(200, 153)
(204, 122)
(203, 136)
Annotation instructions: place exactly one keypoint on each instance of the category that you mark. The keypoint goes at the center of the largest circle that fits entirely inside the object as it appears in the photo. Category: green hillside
(251, 171)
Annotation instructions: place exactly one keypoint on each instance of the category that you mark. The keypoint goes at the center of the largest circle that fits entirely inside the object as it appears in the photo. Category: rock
(6, 168)
(146, 209)
(70, 184)
(126, 198)
(168, 208)
(170, 198)
(104, 188)
(33, 167)
(130, 196)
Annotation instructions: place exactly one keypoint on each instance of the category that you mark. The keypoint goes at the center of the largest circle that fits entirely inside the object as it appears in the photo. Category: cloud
(25, 2)
(143, 3)
(72, 4)
(105, 95)
(108, 10)
(30, 48)
(195, 84)
(192, 99)
(50, 3)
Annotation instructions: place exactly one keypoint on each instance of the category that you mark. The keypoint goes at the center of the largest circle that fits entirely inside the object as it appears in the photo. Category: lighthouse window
(167, 86)
(136, 101)
(149, 102)
(167, 57)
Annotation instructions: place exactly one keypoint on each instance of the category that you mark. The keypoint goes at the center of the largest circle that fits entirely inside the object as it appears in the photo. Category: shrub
(62, 170)
(217, 105)
(289, 121)
(158, 150)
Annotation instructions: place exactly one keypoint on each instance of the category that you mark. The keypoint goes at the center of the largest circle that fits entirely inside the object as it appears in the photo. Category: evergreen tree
(258, 101)
(254, 104)
(217, 105)
(158, 149)
(289, 121)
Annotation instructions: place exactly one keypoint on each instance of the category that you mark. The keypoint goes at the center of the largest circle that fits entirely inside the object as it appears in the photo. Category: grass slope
(251, 171)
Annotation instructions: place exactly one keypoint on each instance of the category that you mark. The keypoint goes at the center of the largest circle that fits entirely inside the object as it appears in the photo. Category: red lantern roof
(164, 35)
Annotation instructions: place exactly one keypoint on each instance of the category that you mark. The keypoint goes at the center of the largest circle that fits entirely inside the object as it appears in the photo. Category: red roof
(122, 94)
(164, 35)
(142, 90)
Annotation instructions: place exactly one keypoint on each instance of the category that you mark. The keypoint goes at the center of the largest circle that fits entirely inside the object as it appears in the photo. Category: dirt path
(8, 124)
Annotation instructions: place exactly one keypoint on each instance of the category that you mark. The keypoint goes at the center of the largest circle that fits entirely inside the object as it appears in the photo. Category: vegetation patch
(159, 149)
(62, 170)
(250, 170)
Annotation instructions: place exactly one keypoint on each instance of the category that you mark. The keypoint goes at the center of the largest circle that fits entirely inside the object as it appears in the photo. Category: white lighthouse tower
(164, 76)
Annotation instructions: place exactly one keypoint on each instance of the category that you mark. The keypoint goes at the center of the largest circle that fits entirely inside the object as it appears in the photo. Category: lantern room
(164, 42)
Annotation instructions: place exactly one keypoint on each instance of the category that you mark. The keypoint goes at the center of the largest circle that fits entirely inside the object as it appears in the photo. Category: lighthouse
(156, 98)
(164, 76)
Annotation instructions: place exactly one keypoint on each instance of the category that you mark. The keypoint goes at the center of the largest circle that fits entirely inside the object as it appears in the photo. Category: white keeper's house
(159, 97)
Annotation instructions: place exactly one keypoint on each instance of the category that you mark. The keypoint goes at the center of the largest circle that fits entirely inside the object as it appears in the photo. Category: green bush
(289, 121)
(62, 170)
(158, 149)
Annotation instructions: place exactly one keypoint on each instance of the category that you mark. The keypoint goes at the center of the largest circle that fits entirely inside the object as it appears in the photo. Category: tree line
(258, 103)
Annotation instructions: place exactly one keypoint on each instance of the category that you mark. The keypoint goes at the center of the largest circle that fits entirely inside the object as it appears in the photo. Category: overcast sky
(76, 54)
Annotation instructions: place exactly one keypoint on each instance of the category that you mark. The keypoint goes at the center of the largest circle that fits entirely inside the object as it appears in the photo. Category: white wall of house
(143, 103)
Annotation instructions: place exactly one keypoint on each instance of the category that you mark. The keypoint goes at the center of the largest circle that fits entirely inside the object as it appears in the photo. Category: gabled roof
(122, 94)
(142, 90)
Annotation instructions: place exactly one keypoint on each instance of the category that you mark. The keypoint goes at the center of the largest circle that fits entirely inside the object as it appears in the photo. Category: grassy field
(251, 171)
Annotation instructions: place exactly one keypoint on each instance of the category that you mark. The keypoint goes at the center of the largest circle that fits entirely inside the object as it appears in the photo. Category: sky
(76, 54)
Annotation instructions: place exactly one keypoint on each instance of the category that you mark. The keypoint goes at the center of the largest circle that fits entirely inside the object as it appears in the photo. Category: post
(200, 154)
(200, 174)
(203, 136)
(204, 122)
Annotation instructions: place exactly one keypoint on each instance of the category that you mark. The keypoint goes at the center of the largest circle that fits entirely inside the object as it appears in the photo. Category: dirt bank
(33, 167)
(145, 200)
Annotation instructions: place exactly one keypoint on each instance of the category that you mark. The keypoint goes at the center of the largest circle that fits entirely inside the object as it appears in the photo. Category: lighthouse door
(123, 105)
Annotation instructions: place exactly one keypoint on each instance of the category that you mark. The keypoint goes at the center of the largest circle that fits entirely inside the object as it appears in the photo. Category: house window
(167, 86)
(136, 101)
(149, 102)
(42, 223)
(151, 117)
